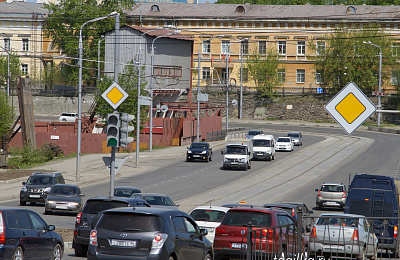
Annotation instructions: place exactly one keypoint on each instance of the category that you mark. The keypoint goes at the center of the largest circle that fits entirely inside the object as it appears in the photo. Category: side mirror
(51, 228)
(203, 232)
(188, 147)
(222, 152)
(177, 204)
(248, 153)
(23, 183)
(82, 195)
(316, 190)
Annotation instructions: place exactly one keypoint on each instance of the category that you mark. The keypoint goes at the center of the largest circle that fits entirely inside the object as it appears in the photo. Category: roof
(225, 209)
(22, 10)
(158, 211)
(151, 194)
(154, 32)
(341, 215)
(305, 12)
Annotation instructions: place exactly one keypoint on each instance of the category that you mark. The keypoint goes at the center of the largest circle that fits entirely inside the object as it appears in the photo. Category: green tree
(6, 114)
(262, 70)
(346, 57)
(63, 27)
(13, 65)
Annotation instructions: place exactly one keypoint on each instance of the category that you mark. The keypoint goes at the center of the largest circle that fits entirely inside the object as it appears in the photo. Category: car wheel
(208, 257)
(273, 157)
(80, 250)
(206, 160)
(362, 255)
(171, 258)
(210, 158)
(18, 254)
(249, 165)
(46, 212)
(22, 203)
(57, 252)
(64, 120)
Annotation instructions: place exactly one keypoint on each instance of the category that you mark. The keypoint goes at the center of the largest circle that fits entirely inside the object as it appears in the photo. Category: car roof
(295, 132)
(237, 205)
(279, 205)
(344, 215)
(263, 137)
(65, 185)
(127, 188)
(200, 143)
(126, 199)
(45, 173)
(331, 183)
(283, 137)
(259, 209)
(6, 208)
(146, 210)
(225, 209)
(151, 194)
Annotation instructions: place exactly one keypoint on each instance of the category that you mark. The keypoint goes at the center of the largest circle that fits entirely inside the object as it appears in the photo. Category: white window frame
(25, 44)
(396, 49)
(24, 69)
(300, 76)
(281, 75)
(7, 44)
(282, 47)
(262, 50)
(244, 46)
(206, 73)
(301, 48)
(319, 77)
(320, 47)
(206, 46)
(225, 46)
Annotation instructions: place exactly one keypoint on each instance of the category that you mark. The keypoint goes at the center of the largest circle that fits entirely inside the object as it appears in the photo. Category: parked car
(297, 138)
(68, 117)
(64, 198)
(208, 217)
(148, 233)
(251, 133)
(91, 212)
(125, 191)
(277, 238)
(25, 235)
(293, 208)
(331, 195)
(38, 186)
(343, 235)
(199, 151)
(156, 200)
(284, 144)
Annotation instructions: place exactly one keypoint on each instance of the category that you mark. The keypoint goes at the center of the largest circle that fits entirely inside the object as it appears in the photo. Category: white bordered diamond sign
(350, 107)
(115, 95)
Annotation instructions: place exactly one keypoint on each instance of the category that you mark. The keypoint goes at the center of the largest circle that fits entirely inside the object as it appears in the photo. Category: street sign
(350, 107)
(375, 93)
(164, 108)
(202, 97)
(118, 163)
(145, 101)
(234, 102)
(320, 90)
(115, 95)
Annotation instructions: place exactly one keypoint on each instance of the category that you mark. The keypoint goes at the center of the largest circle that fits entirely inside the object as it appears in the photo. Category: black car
(64, 198)
(125, 191)
(157, 200)
(38, 186)
(25, 235)
(91, 212)
(199, 151)
(148, 233)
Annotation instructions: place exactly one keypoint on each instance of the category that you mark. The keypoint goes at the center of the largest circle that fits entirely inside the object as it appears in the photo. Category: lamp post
(198, 84)
(78, 152)
(151, 86)
(98, 59)
(380, 79)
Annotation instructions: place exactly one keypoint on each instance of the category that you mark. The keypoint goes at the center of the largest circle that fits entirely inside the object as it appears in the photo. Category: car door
(197, 244)
(28, 236)
(44, 245)
(182, 238)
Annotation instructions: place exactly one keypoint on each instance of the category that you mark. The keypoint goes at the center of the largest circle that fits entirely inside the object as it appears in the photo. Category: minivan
(263, 147)
(376, 196)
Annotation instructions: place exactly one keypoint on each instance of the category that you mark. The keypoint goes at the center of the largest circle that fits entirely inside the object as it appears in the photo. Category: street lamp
(98, 59)
(151, 85)
(198, 84)
(78, 150)
(380, 79)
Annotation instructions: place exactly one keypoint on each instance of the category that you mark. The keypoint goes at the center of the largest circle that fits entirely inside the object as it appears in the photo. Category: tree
(63, 27)
(13, 65)
(262, 69)
(346, 57)
(6, 114)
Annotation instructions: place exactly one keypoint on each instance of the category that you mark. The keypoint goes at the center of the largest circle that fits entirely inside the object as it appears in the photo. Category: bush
(26, 156)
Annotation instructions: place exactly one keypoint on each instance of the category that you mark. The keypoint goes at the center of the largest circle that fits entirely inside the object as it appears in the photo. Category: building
(226, 28)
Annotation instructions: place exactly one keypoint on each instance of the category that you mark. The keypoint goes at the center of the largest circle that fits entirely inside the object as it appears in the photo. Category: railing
(216, 136)
(57, 91)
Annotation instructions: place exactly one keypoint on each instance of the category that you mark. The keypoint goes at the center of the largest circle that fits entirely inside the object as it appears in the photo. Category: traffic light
(125, 129)
(113, 124)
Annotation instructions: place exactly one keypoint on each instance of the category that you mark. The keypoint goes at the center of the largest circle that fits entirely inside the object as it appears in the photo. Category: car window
(282, 220)
(12, 221)
(124, 192)
(254, 133)
(40, 180)
(158, 200)
(127, 222)
(261, 143)
(332, 188)
(23, 220)
(240, 218)
(68, 191)
(37, 222)
(96, 206)
(198, 146)
(191, 227)
(283, 140)
(207, 215)
(179, 225)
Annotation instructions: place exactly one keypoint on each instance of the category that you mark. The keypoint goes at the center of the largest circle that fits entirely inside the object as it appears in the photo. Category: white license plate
(338, 247)
(239, 245)
(331, 203)
(233, 163)
(34, 196)
(259, 154)
(126, 243)
(196, 155)
(61, 207)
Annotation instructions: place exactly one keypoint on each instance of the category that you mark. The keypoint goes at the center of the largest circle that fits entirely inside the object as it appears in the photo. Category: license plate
(259, 154)
(338, 247)
(126, 243)
(233, 163)
(239, 245)
(34, 196)
(61, 207)
(331, 203)
(196, 155)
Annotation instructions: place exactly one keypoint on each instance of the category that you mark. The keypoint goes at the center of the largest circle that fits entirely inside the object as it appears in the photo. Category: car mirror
(187, 147)
(203, 232)
(316, 190)
(82, 195)
(51, 228)
(23, 183)
(177, 204)
(222, 152)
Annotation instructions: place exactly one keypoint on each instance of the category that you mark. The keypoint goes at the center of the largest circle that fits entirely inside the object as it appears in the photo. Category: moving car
(25, 235)
(199, 151)
(263, 147)
(297, 138)
(343, 235)
(284, 144)
(237, 154)
(125, 191)
(208, 217)
(156, 200)
(64, 198)
(331, 195)
(38, 186)
(251, 133)
(68, 117)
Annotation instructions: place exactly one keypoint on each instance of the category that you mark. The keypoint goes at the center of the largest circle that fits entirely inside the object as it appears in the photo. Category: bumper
(330, 203)
(261, 156)
(229, 165)
(93, 254)
(284, 149)
(388, 243)
(37, 198)
(321, 248)
(58, 208)
(81, 240)
(222, 253)
(192, 157)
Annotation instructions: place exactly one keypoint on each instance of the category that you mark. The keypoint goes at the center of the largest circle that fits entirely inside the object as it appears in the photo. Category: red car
(273, 233)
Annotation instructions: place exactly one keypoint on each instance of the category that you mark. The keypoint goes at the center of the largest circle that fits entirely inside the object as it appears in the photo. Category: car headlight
(226, 160)
(189, 151)
(242, 160)
(47, 190)
(203, 152)
(73, 203)
(50, 202)
(24, 189)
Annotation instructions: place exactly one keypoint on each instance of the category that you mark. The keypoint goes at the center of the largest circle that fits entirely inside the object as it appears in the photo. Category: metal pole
(138, 111)
(98, 59)
(151, 95)
(241, 83)
(198, 92)
(380, 82)
(227, 90)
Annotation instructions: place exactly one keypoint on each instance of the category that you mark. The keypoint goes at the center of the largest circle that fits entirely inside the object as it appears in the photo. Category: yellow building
(289, 29)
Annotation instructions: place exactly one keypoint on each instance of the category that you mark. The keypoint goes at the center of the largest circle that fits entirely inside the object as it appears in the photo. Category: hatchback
(331, 195)
(148, 233)
(68, 117)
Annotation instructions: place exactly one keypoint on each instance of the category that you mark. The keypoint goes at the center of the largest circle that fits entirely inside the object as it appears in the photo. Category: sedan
(199, 151)
(156, 200)
(64, 198)
(284, 144)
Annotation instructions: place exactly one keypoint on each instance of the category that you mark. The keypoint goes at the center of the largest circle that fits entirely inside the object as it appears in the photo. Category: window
(207, 46)
(25, 44)
(319, 77)
(37, 222)
(396, 49)
(262, 47)
(245, 76)
(206, 73)
(24, 69)
(394, 78)
(245, 47)
(320, 48)
(7, 44)
(301, 48)
(282, 47)
(301, 75)
(179, 225)
(167, 71)
(281, 75)
(225, 46)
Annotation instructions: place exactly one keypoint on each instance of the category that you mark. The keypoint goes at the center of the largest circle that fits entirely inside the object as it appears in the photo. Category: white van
(264, 147)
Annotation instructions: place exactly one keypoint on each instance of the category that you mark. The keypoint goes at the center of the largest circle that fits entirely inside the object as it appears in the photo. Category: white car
(68, 117)
(208, 217)
(284, 144)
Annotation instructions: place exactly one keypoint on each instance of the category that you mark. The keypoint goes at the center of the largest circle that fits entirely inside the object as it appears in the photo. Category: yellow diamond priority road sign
(115, 95)
(350, 107)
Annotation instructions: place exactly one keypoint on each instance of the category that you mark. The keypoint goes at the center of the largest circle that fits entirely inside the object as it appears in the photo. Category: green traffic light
(112, 142)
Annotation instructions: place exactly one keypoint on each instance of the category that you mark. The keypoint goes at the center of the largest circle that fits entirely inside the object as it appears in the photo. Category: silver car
(331, 195)
(297, 138)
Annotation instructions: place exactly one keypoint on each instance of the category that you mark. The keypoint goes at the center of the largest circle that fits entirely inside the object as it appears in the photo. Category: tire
(57, 253)
(210, 158)
(32, 203)
(64, 120)
(273, 157)
(171, 258)
(18, 254)
(249, 165)
(46, 212)
(207, 159)
(80, 250)
(22, 203)
(208, 257)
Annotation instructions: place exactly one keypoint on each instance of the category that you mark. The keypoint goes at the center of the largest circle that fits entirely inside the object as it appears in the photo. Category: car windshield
(253, 133)
(207, 215)
(332, 188)
(261, 143)
(64, 191)
(125, 192)
(283, 140)
(240, 218)
(198, 146)
(158, 200)
(235, 150)
(337, 221)
(40, 180)
(126, 222)
(293, 135)
(96, 206)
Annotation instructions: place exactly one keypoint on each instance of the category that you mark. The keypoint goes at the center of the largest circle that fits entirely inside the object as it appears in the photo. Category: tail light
(314, 233)
(395, 231)
(158, 240)
(293, 212)
(219, 230)
(78, 218)
(2, 230)
(319, 193)
(267, 232)
(344, 195)
(355, 235)
(93, 238)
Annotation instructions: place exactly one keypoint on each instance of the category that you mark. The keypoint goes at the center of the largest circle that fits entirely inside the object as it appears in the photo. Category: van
(263, 147)
(377, 196)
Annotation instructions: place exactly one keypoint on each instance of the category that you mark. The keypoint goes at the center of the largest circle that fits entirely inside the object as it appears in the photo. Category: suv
(91, 213)
(297, 138)
(277, 226)
(68, 117)
(148, 233)
(24, 234)
(38, 186)
(331, 195)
